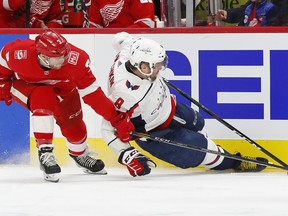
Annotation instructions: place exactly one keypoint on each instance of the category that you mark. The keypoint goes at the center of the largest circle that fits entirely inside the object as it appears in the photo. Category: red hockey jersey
(13, 13)
(19, 59)
(75, 15)
(121, 14)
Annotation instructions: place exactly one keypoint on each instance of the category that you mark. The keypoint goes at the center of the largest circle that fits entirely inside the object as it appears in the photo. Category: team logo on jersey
(73, 58)
(49, 82)
(111, 12)
(132, 86)
(20, 54)
(39, 7)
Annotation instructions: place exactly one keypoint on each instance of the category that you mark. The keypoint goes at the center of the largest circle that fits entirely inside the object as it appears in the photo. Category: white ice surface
(170, 192)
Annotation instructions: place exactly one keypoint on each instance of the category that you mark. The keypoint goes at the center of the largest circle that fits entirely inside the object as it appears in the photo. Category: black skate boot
(88, 164)
(48, 163)
(245, 166)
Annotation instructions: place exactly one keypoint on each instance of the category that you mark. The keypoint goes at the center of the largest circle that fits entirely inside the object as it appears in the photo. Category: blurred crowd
(256, 13)
(76, 13)
(134, 13)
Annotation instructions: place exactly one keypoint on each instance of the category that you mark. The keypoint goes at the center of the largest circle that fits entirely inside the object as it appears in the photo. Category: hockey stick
(200, 149)
(225, 123)
(27, 16)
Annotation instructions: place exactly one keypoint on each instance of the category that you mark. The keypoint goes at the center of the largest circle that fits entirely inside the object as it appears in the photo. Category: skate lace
(48, 159)
(85, 159)
(245, 165)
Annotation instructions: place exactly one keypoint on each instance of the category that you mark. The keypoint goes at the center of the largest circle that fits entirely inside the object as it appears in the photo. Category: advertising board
(239, 76)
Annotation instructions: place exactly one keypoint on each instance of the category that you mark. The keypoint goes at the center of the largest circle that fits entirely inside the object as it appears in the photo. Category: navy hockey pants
(182, 132)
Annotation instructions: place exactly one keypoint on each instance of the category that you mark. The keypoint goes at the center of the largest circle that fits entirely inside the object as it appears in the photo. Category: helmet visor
(162, 65)
(165, 63)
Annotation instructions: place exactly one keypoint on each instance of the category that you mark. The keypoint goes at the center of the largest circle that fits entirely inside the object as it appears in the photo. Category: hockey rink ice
(165, 192)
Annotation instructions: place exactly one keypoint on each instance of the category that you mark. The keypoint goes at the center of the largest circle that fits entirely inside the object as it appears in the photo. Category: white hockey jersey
(149, 104)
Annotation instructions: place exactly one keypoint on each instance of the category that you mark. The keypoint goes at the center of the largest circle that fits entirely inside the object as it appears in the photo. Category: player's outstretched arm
(123, 125)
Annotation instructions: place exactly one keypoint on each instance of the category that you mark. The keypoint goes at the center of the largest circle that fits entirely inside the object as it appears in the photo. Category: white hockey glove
(136, 163)
(119, 39)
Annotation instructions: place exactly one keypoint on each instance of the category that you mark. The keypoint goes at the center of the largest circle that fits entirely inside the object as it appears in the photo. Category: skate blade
(101, 172)
(51, 177)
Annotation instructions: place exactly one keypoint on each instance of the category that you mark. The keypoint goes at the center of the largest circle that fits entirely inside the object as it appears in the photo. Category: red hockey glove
(123, 126)
(35, 22)
(5, 95)
(136, 163)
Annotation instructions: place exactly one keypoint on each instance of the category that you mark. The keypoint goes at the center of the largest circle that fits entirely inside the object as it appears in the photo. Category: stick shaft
(27, 14)
(197, 148)
(252, 142)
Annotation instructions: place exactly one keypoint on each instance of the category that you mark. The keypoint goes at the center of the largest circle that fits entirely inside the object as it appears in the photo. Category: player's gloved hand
(118, 40)
(35, 22)
(5, 86)
(123, 126)
(136, 163)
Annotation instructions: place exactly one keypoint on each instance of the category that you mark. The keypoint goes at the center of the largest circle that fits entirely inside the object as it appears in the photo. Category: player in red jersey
(47, 76)
(121, 14)
(43, 14)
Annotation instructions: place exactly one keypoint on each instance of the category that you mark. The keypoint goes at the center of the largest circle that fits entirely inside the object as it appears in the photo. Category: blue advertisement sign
(14, 125)
(210, 84)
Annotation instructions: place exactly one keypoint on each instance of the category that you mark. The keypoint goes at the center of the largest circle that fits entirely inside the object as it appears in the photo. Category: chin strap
(145, 74)
(44, 62)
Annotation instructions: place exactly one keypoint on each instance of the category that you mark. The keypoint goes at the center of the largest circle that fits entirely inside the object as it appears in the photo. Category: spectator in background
(42, 14)
(283, 11)
(75, 13)
(232, 15)
(121, 14)
(252, 13)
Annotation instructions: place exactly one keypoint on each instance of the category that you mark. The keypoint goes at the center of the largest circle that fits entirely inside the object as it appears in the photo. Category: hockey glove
(35, 22)
(123, 126)
(136, 163)
(5, 86)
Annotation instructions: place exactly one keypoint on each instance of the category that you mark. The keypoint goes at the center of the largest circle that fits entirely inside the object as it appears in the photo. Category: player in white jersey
(136, 87)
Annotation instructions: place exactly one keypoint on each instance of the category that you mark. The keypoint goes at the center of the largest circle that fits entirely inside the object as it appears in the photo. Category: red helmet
(52, 44)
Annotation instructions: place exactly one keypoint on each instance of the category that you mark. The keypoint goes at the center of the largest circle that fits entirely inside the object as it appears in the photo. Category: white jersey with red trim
(149, 104)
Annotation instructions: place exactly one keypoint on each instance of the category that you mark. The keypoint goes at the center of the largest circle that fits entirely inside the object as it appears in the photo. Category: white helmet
(149, 51)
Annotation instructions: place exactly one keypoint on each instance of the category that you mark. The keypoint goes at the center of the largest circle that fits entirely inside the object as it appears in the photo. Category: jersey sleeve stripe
(88, 90)
(3, 62)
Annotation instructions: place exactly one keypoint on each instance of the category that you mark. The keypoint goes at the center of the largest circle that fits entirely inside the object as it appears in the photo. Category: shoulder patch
(73, 58)
(119, 64)
(20, 54)
(131, 86)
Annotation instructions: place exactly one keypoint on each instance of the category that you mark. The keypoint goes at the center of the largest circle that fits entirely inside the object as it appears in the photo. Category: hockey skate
(88, 164)
(48, 163)
(245, 166)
